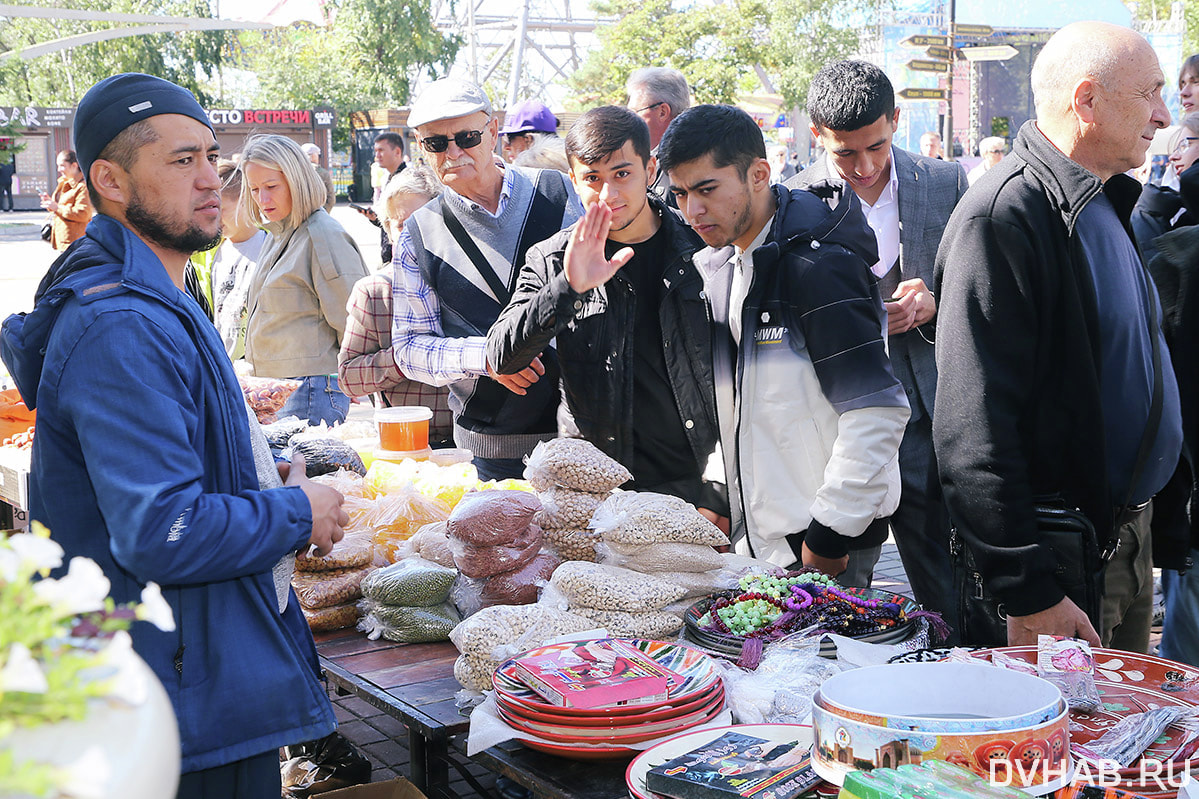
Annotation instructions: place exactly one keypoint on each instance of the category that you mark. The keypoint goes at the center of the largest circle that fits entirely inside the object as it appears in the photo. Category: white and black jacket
(818, 414)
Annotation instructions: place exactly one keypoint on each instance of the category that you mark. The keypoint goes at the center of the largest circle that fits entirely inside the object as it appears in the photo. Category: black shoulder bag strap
(474, 254)
(544, 220)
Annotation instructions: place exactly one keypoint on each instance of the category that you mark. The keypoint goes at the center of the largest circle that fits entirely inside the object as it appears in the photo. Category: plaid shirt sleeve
(422, 351)
(366, 363)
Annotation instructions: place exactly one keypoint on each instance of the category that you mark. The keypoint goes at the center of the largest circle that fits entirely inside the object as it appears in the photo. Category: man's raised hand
(585, 264)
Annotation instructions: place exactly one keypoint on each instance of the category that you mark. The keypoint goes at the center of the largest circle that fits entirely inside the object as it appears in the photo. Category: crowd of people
(875, 344)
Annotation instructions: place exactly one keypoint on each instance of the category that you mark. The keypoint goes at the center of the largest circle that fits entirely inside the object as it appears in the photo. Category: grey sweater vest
(489, 420)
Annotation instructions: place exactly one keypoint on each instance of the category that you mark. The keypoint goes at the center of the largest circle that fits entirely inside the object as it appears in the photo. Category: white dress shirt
(742, 276)
(883, 218)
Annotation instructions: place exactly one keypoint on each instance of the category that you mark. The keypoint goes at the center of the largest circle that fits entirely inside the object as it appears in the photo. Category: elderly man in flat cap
(147, 461)
(457, 262)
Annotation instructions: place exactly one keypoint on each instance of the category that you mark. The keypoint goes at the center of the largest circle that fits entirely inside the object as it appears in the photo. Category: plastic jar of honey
(403, 429)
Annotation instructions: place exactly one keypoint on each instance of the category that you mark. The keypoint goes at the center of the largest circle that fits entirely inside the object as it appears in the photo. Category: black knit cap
(115, 103)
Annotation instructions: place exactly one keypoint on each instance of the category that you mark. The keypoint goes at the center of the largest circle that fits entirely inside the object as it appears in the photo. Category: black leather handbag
(46, 229)
(1070, 536)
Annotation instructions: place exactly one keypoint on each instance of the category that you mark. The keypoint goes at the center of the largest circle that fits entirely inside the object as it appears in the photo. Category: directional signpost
(924, 40)
(993, 52)
(923, 94)
(973, 30)
(921, 65)
(941, 50)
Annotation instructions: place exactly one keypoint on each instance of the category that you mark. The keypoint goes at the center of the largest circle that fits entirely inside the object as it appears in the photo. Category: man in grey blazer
(907, 199)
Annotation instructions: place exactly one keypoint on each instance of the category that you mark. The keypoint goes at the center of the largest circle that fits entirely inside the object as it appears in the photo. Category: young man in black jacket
(1046, 347)
(619, 293)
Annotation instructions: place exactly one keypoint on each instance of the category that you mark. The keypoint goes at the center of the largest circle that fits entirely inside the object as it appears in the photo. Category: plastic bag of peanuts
(593, 585)
(566, 508)
(642, 517)
(572, 544)
(503, 631)
(573, 463)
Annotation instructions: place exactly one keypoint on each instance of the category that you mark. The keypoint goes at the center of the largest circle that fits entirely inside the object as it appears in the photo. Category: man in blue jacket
(144, 458)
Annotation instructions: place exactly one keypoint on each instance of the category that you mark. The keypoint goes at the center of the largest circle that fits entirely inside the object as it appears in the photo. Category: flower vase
(126, 748)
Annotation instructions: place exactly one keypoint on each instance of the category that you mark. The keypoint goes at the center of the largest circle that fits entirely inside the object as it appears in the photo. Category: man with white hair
(1054, 380)
(930, 144)
(991, 149)
(459, 257)
(314, 155)
(658, 95)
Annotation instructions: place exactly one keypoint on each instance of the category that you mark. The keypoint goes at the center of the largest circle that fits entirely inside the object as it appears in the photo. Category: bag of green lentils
(408, 625)
(412, 582)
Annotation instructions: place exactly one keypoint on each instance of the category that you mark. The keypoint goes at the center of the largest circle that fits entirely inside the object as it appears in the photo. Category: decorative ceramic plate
(697, 669)
(671, 712)
(682, 744)
(1129, 683)
(612, 738)
(577, 751)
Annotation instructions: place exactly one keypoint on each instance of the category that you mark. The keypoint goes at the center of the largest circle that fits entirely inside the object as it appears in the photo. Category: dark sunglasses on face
(465, 139)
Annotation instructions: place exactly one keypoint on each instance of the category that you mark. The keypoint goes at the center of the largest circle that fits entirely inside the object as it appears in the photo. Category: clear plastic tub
(404, 428)
(395, 457)
(449, 457)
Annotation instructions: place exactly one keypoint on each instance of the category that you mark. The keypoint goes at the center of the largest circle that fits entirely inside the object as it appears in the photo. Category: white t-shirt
(232, 272)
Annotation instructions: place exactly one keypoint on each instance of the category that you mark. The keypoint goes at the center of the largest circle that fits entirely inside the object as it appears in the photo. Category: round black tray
(730, 645)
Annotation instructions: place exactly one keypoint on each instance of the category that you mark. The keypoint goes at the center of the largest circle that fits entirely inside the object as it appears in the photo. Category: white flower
(36, 552)
(10, 566)
(82, 590)
(129, 683)
(155, 609)
(87, 777)
(22, 673)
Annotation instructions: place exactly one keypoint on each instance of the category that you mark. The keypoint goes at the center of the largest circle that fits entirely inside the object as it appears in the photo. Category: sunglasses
(648, 107)
(465, 139)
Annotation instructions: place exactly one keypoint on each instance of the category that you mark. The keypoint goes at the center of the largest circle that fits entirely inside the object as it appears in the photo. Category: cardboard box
(14, 477)
(399, 788)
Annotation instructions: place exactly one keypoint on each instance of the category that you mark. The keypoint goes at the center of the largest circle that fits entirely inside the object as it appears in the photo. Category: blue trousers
(319, 398)
(256, 777)
(1180, 634)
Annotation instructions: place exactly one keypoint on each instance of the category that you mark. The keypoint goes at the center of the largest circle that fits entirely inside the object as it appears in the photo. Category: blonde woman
(367, 362)
(1161, 209)
(297, 299)
(235, 262)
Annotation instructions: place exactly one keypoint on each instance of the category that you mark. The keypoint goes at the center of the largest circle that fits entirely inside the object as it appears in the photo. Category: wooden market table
(414, 683)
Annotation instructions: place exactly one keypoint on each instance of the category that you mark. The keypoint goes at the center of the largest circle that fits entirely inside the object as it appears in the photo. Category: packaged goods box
(14, 477)
(398, 788)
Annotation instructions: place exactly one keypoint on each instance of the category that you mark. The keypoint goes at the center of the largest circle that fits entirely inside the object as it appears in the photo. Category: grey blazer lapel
(914, 188)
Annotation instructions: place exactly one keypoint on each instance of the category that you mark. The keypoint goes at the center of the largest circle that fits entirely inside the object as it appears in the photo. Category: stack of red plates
(605, 733)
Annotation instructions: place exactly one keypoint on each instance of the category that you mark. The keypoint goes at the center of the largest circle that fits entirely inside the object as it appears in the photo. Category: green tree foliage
(62, 77)
(1152, 10)
(720, 47)
(387, 43)
(367, 58)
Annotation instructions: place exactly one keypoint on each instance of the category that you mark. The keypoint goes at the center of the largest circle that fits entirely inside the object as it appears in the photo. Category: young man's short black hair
(848, 95)
(604, 130)
(726, 133)
(394, 139)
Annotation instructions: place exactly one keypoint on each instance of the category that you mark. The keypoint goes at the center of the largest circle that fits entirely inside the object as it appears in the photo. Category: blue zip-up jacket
(142, 462)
